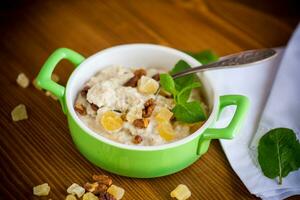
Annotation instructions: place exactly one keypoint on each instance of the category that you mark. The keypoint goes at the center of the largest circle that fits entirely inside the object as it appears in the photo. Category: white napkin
(256, 83)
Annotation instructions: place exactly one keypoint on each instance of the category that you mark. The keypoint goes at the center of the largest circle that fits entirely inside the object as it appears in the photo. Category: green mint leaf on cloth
(189, 112)
(184, 81)
(167, 83)
(279, 153)
(204, 57)
(184, 94)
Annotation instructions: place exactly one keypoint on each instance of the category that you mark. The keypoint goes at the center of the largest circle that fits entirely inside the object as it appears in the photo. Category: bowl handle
(44, 80)
(242, 105)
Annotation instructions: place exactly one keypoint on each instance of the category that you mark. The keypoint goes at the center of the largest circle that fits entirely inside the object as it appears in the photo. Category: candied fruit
(70, 197)
(19, 113)
(181, 192)
(116, 191)
(22, 80)
(166, 130)
(111, 121)
(41, 190)
(163, 115)
(76, 189)
(147, 85)
(89, 196)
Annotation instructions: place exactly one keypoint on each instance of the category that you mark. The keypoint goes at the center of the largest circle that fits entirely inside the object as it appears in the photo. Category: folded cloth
(256, 82)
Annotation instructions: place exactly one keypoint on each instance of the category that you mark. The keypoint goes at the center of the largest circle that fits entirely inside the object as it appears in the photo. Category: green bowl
(130, 160)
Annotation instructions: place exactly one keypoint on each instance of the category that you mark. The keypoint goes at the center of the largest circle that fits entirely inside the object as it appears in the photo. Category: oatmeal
(121, 104)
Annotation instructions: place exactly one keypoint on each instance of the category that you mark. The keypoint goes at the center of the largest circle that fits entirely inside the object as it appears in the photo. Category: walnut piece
(19, 113)
(148, 108)
(41, 190)
(22, 80)
(95, 188)
(137, 139)
(141, 123)
(156, 77)
(103, 179)
(107, 196)
(84, 91)
(132, 82)
(76, 189)
(94, 107)
(80, 109)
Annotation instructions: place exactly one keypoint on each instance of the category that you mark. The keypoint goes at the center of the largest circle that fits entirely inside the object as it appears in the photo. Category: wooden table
(40, 149)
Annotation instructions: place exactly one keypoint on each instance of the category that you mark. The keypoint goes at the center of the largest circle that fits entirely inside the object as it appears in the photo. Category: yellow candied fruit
(41, 190)
(70, 197)
(147, 85)
(166, 130)
(181, 192)
(163, 115)
(111, 121)
(116, 191)
(89, 196)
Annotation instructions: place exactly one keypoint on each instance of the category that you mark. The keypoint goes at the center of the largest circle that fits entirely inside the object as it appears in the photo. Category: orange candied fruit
(111, 121)
(163, 115)
(166, 130)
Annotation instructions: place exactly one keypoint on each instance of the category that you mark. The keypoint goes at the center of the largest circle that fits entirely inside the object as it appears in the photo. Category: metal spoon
(242, 59)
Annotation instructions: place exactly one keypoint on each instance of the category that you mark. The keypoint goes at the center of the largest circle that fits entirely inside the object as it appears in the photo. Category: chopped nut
(111, 121)
(89, 196)
(55, 77)
(107, 196)
(22, 80)
(19, 113)
(149, 107)
(163, 114)
(132, 82)
(140, 72)
(141, 123)
(96, 188)
(106, 180)
(49, 94)
(137, 139)
(70, 197)
(123, 117)
(156, 77)
(181, 192)
(80, 109)
(84, 91)
(147, 85)
(94, 107)
(76, 189)
(34, 83)
(41, 190)
(116, 191)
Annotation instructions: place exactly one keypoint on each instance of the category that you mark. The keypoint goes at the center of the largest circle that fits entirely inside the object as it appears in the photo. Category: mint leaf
(189, 112)
(279, 153)
(184, 81)
(168, 84)
(184, 94)
(204, 57)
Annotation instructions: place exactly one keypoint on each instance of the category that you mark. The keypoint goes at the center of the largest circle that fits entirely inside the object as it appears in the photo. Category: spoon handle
(241, 59)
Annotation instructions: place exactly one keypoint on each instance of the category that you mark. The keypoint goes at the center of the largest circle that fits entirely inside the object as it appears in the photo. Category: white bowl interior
(134, 55)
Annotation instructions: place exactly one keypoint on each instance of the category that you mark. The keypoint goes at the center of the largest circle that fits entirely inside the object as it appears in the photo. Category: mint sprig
(180, 88)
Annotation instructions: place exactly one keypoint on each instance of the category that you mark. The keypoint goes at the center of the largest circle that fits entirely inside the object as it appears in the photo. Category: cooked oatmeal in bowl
(126, 105)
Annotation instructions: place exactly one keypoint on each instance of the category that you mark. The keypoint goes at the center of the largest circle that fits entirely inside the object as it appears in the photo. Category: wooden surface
(40, 149)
